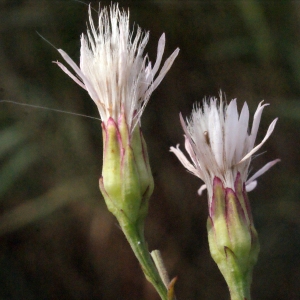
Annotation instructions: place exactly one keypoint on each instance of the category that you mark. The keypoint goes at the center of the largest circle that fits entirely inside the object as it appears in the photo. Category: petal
(269, 132)
(251, 186)
(189, 149)
(139, 43)
(167, 65)
(261, 171)
(71, 63)
(70, 74)
(184, 160)
(201, 189)
(87, 83)
(215, 134)
(256, 121)
(92, 26)
(160, 52)
(183, 124)
(242, 132)
(231, 129)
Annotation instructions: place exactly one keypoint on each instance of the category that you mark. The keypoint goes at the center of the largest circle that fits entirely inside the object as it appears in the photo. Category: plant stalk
(135, 236)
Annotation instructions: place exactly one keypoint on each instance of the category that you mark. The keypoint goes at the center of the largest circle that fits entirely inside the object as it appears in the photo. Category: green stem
(239, 289)
(135, 237)
(238, 296)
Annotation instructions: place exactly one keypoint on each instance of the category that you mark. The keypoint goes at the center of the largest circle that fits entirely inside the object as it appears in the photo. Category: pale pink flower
(113, 69)
(219, 144)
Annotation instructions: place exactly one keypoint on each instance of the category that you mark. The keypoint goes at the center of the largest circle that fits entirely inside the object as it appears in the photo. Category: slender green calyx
(126, 182)
(233, 240)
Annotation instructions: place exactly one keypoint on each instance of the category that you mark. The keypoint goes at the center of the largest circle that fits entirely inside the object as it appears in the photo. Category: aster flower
(220, 149)
(120, 79)
(113, 69)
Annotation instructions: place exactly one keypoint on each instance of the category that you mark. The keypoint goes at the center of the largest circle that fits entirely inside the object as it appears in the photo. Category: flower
(112, 67)
(220, 148)
(120, 80)
(218, 143)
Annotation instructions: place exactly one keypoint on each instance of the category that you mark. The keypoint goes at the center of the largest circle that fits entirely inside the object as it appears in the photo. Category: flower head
(113, 69)
(120, 79)
(220, 147)
(219, 144)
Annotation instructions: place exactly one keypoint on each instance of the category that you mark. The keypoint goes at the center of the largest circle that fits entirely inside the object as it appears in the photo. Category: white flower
(218, 143)
(112, 67)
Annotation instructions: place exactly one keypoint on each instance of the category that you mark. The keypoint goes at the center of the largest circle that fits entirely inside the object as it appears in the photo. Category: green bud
(126, 182)
(232, 237)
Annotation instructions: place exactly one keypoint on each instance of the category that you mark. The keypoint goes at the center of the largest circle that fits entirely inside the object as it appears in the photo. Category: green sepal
(240, 235)
(218, 217)
(131, 192)
(111, 169)
(142, 160)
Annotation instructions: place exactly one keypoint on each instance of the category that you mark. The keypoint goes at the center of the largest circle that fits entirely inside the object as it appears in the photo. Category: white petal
(269, 132)
(94, 33)
(167, 65)
(183, 125)
(201, 189)
(251, 186)
(231, 129)
(215, 135)
(255, 125)
(261, 171)
(184, 160)
(242, 132)
(71, 63)
(140, 45)
(160, 52)
(87, 83)
(70, 74)
(189, 150)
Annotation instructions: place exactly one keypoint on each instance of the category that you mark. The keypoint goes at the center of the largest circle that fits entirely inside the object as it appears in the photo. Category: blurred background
(57, 240)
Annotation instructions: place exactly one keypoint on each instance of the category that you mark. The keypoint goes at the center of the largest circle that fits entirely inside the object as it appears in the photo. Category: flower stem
(239, 294)
(135, 237)
(239, 288)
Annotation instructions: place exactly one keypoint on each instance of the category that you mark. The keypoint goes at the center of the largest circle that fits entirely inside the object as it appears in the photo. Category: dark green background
(57, 241)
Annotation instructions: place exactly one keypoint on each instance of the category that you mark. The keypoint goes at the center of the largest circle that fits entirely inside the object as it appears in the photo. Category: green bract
(126, 181)
(232, 237)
